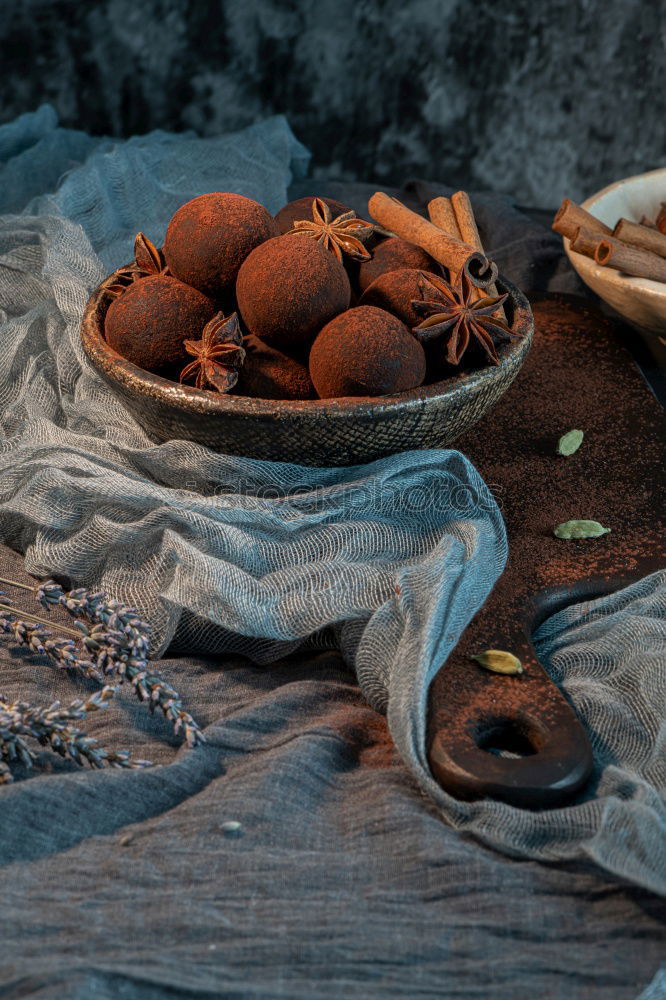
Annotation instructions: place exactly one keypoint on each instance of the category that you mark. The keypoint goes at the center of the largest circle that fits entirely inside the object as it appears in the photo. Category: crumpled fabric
(226, 555)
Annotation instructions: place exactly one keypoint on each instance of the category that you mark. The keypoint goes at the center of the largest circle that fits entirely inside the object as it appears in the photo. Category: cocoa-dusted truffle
(209, 238)
(395, 291)
(149, 321)
(392, 255)
(288, 288)
(302, 209)
(270, 374)
(365, 352)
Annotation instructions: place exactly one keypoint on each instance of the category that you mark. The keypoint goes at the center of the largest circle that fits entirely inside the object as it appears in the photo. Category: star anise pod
(147, 260)
(342, 234)
(453, 313)
(219, 354)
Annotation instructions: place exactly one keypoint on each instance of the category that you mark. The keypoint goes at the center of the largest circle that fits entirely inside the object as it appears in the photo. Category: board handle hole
(507, 738)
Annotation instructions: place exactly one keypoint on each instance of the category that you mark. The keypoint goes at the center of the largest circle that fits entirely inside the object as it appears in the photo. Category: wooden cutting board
(516, 738)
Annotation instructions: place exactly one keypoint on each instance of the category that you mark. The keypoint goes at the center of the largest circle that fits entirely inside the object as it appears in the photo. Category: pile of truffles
(313, 302)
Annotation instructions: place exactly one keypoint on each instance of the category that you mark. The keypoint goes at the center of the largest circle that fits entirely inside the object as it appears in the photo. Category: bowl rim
(188, 398)
(585, 266)
(615, 184)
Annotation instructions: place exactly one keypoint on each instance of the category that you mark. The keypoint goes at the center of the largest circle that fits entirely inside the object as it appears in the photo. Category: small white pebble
(232, 828)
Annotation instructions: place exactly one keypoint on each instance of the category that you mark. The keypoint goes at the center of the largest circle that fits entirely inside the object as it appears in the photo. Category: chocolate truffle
(269, 374)
(209, 238)
(395, 291)
(288, 288)
(302, 209)
(149, 321)
(365, 352)
(392, 255)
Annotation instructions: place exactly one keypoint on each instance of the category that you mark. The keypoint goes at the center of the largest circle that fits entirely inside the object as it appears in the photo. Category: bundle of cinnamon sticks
(449, 234)
(637, 248)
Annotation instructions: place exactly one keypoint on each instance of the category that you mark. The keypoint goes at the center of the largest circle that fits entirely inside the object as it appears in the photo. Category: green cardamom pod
(580, 529)
(499, 661)
(569, 443)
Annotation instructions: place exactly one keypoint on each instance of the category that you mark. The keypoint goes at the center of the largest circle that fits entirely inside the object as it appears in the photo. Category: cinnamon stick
(446, 249)
(570, 217)
(640, 236)
(630, 259)
(585, 241)
(440, 213)
(464, 213)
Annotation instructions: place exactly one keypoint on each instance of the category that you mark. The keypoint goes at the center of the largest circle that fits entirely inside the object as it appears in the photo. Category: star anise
(453, 313)
(219, 354)
(342, 234)
(147, 260)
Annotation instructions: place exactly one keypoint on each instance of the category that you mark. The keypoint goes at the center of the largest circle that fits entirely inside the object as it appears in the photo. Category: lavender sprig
(38, 639)
(119, 645)
(113, 643)
(53, 727)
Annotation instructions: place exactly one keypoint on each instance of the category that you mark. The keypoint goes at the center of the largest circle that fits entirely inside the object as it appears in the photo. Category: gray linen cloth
(351, 856)
(342, 882)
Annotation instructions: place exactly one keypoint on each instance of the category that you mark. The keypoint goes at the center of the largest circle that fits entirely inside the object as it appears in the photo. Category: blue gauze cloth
(389, 560)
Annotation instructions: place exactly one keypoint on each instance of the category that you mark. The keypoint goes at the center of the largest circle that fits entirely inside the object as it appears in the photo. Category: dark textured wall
(536, 98)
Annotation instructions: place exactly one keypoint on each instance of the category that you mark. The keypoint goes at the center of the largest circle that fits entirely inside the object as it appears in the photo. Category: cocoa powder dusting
(392, 255)
(365, 351)
(269, 374)
(576, 375)
(149, 321)
(209, 237)
(395, 291)
(288, 289)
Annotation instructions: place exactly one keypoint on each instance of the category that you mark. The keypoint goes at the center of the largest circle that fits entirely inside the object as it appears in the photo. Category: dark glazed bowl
(314, 431)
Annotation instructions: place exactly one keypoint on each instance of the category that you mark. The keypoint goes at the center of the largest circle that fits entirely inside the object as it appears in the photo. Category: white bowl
(640, 301)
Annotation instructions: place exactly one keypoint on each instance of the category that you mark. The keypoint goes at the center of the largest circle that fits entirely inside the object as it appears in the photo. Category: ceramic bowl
(640, 301)
(314, 431)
